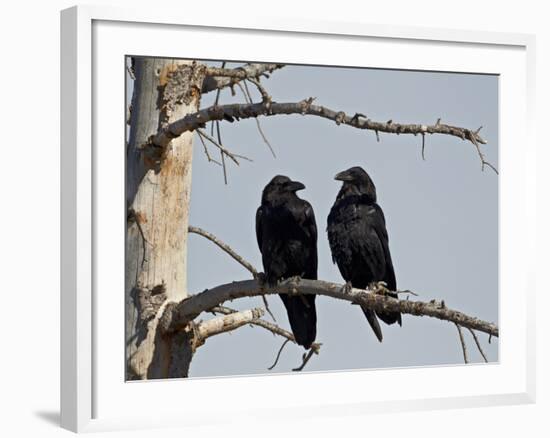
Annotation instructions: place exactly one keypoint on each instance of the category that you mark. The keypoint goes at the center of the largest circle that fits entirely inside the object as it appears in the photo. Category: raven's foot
(293, 283)
(380, 288)
(347, 288)
(439, 304)
(262, 279)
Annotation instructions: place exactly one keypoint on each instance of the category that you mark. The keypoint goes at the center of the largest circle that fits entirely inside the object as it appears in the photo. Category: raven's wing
(309, 226)
(259, 227)
(301, 311)
(379, 225)
(351, 245)
(338, 238)
(359, 243)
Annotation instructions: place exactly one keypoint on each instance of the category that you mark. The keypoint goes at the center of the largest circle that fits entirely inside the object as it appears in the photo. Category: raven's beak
(294, 186)
(343, 176)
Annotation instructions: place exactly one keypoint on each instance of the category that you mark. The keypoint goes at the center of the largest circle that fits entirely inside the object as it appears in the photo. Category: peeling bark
(157, 198)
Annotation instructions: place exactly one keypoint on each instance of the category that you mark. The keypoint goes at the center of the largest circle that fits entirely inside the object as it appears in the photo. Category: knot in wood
(182, 86)
(340, 116)
(305, 104)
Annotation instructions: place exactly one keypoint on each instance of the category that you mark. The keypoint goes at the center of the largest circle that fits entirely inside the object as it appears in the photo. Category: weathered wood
(218, 78)
(227, 323)
(157, 198)
(177, 316)
(238, 111)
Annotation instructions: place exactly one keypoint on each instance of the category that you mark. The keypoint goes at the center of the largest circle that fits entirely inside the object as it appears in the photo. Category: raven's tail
(390, 317)
(373, 321)
(302, 317)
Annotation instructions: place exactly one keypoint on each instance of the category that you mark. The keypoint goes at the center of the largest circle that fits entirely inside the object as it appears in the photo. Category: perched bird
(287, 237)
(358, 240)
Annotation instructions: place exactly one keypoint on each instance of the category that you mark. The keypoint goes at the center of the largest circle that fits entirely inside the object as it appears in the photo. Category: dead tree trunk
(157, 196)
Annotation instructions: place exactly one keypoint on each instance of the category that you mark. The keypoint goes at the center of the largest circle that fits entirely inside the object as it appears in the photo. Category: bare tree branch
(478, 345)
(266, 98)
(224, 246)
(423, 145)
(462, 343)
(218, 78)
(222, 155)
(177, 315)
(276, 330)
(273, 328)
(305, 359)
(244, 111)
(223, 150)
(473, 139)
(278, 355)
(217, 124)
(208, 156)
(248, 98)
(234, 112)
(226, 323)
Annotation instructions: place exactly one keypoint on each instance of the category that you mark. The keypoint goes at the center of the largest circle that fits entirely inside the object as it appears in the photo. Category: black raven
(287, 237)
(359, 240)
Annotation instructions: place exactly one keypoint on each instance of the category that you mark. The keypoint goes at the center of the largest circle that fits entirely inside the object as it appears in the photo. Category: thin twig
(264, 138)
(473, 137)
(276, 330)
(462, 343)
(491, 166)
(225, 247)
(243, 157)
(224, 166)
(224, 151)
(266, 98)
(423, 145)
(278, 354)
(305, 359)
(248, 98)
(216, 102)
(410, 292)
(478, 345)
(266, 305)
(210, 159)
(217, 123)
(246, 93)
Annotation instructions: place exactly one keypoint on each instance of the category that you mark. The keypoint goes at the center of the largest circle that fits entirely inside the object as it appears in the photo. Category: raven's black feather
(287, 238)
(358, 240)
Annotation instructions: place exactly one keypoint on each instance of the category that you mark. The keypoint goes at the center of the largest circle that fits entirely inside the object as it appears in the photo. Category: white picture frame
(90, 401)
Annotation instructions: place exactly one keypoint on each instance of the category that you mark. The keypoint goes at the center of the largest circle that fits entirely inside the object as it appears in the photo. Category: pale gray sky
(442, 213)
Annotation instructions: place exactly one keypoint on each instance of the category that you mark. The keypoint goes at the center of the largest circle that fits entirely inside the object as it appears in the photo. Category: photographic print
(303, 218)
